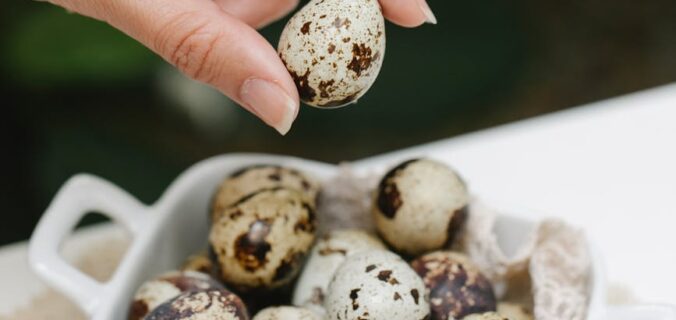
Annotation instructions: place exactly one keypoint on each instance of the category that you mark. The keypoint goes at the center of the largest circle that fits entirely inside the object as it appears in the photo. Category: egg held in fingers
(333, 50)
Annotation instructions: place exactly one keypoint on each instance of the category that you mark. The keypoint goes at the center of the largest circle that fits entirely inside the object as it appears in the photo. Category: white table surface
(609, 167)
(20, 284)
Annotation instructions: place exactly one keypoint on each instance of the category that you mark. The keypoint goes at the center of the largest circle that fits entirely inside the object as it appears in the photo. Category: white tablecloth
(609, 167)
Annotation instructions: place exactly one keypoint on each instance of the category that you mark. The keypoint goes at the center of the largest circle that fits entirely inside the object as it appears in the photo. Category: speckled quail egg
(286, 313)
(486, 316)
(255, 178)
(202, 305)
(514, 311)
(455, 285)
(333, 50)
(261, 242)
(198, 263)
(167, 286)
(326, 256)
(420, 206)
(376, 284)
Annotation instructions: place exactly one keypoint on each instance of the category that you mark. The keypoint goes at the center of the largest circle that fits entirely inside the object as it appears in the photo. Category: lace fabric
(345, 202)
(553, 262)
(560, 271)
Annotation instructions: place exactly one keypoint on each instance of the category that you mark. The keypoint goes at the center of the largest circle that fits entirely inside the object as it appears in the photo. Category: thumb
(208, 45)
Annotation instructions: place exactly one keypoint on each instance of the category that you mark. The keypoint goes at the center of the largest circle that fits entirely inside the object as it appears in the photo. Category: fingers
(408, 13)
(211, 46)
(258, 13)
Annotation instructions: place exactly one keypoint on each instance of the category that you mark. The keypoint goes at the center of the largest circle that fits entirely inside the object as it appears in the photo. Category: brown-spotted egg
(376, 284)
(420, 206)
(334, 49)
(202, 305)
(515, 311)
(486, 316)
(255, 178)
(165, 287)
(326, 256)
(261, 241)
(456, 286)
(286, 313)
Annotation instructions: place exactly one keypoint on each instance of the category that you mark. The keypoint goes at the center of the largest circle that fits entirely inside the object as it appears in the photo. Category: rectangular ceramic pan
(174, 227)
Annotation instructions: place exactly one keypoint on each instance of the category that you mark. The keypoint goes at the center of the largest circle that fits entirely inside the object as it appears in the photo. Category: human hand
(215, 41)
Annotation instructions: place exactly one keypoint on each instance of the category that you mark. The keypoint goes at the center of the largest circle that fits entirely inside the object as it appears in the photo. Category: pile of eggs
(264, 257)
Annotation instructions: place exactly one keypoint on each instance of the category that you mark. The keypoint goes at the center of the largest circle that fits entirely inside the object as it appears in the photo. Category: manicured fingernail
(269, 102)
(427, 11)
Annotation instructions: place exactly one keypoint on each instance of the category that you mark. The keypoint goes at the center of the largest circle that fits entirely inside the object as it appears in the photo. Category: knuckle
(188, 42)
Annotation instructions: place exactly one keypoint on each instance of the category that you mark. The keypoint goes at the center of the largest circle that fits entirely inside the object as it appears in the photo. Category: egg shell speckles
(376, 284)
(286, 313)
(334, 49)
(455, 285)
(514, 311)
(255, 178)
(326, 256)
(262, 241)
(486, 316)
(420, 206)
(202, 305)
(165, 287)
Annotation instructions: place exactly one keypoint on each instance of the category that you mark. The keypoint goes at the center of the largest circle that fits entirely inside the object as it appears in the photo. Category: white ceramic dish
(174, 227)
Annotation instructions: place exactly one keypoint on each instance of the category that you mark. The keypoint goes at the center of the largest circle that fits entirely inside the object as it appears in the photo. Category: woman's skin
(215, 41)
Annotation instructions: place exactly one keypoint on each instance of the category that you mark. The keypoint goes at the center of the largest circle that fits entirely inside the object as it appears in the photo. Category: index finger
(211, 46)
(408, 13)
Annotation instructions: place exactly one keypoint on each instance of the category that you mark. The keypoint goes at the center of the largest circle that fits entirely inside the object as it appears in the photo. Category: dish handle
(80, 195)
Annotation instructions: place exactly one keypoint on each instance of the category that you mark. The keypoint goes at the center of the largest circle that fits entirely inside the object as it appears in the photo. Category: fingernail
(270, 102)
(427, 11)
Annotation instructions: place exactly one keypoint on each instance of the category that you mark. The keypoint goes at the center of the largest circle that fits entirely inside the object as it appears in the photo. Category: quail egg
(333, 50)
(326, 256)
(455, 285)
(202, 305)
(420, 206)
(286, 313)
(199, 263)
(515, 311)
(167, 286)
(486, 316)
(261, 242)
(255, 178)
(376, 284)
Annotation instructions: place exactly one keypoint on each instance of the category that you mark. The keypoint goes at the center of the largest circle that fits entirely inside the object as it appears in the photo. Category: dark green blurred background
(79, 96)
